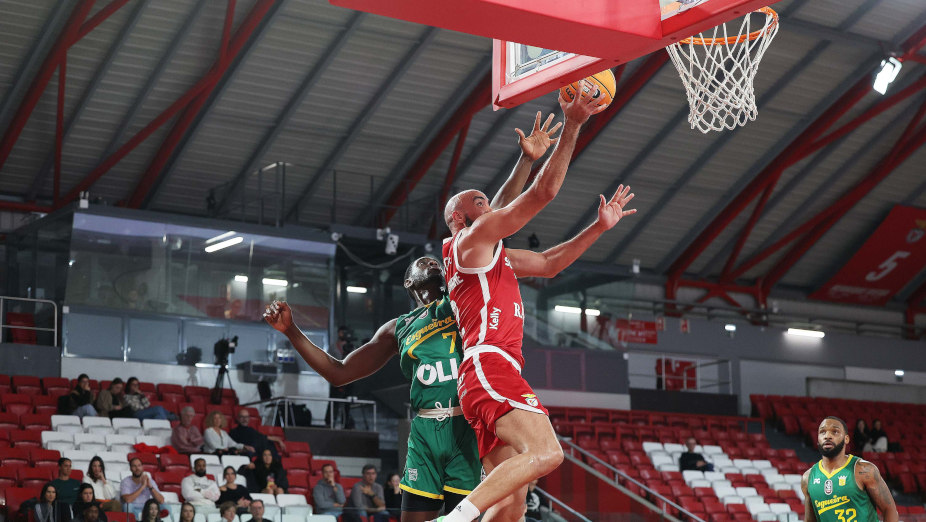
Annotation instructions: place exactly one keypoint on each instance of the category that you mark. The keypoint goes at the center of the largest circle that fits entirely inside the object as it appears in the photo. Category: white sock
(464, 512)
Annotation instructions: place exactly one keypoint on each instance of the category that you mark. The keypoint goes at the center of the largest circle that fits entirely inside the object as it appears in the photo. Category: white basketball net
(718, 71)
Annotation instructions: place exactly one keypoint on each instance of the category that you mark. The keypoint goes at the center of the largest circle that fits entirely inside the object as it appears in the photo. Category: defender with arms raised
(841, 487)
(516, 441)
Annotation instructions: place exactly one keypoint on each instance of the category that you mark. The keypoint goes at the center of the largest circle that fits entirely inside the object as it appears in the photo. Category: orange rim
(730, 40)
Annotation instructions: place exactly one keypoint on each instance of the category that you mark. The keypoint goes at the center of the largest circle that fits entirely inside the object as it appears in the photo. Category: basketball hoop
(718, 71)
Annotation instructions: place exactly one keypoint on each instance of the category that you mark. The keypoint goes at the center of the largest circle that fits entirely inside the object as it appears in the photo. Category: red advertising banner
(893, 255)
(619, 332)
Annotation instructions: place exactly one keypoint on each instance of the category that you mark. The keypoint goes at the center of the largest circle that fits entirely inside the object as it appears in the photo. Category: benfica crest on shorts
(530, 399)
(828, 487)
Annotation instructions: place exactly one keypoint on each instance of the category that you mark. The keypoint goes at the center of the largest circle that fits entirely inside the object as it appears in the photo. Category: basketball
(603, 83)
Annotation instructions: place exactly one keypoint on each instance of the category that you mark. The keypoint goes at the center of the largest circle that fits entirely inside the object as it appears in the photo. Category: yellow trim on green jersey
(457, 491)
(835, 471)
(421, 493)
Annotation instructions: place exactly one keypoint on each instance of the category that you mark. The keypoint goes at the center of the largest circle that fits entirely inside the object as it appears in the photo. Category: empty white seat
(711, 450)
(713, 475)
(118, 442)
(127, 426)
(724, 491)
(732, 499)
(779, 508)
(800, 493)
(79, 455)
(61, 446)
(89, 442)
(301, 510)
(770, 473)
(211, 460)
(213, 517)
(291, 500)
(676, 455)
(97, 425)
(649, 447)
(293, 517)
(762, 464)
(720, 460)
(727, 469)
(269, 500)
(153, 440)
(699, 483)
(757, 507)
(667, 466)
(51, 436)
(83, 465)
(156, 424)
(235, 461)
(779, 485)
(746, 492)
(753, 500)
(792, 478)
(749, 471)
(663, 459)
(320, 518)
(789, 517)
(115, 456)
(117, 467)
(722, 483)
(61, 420)
(743, 463)
(692, 474)
(672, 447)
(766, 517)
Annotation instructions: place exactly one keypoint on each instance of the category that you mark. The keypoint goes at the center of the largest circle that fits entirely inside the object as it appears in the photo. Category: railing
(288, 401)
(623, 476)
(3, 324)
(562, 505)
(697, 382)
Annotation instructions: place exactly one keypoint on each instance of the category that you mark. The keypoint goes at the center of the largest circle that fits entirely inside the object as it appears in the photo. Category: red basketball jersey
(486, 301)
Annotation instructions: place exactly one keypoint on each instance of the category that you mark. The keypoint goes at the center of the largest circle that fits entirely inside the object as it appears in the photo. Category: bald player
(841, 487)
(515, 438)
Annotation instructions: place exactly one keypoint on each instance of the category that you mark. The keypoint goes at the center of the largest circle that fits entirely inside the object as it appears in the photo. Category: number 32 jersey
(836, 496)
(486, 301)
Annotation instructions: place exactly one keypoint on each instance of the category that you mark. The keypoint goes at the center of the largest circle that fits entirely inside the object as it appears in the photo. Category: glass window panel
(203, 335)
(153, 340)
(90, 335)
(252, 343)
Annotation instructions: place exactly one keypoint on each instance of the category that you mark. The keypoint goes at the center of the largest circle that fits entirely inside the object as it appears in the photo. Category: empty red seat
(34, 477)
(196, 391)
(26, 439)
(9, 421)
(168, 478)
(39, 456)
(173, 462)
(10, 456)
(295, 449)
(16, 496)
(29, 382)
(45, 404)
(36, 421)
(169, 388)
(736, 508)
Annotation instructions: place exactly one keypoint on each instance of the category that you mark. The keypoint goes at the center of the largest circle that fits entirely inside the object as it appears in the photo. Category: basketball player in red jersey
(516, 440)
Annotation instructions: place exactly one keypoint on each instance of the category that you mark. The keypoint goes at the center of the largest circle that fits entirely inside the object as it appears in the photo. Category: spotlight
(241, 278)
(899, 373)
(636, 266)
(806, 333)
(267, 281)
(890, 68)
(356, 289)
(730, 327)
(591, 312)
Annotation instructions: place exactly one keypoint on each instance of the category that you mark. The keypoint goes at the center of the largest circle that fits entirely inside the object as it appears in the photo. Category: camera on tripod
(223, 348)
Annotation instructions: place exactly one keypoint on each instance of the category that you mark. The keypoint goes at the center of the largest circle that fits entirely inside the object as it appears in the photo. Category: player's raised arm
(533, 148)
(554, 260)
(880, 495)
(358, 364)
(491, 227)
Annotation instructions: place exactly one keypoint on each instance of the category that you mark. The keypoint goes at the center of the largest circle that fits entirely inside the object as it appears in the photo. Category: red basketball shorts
(490, 385)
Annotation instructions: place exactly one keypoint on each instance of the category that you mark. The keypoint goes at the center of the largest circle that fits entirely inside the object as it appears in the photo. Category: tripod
(217, 389)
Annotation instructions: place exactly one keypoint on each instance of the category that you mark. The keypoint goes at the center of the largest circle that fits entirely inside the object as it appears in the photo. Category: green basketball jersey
(430, 354)
(836, 497)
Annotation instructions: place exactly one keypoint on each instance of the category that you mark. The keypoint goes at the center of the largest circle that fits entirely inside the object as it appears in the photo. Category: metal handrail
(623, 475)
(54, 307)
(563, 505)
(286, 399)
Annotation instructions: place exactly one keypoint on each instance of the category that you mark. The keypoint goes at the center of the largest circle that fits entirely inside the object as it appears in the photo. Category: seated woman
(106, 491)
(269, 474)
(85, 499)
(81, 398)
(216, 440)
(48, 509)
(878, 437)
(187, 512)
(233, 492)
(151, 512)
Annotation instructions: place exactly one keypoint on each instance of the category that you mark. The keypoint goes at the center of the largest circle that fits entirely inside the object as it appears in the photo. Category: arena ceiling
(165, 102)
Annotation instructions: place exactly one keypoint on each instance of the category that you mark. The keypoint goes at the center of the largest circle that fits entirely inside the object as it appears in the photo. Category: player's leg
(512, 508)
(416, 508)
(536, 453)
(422, 481)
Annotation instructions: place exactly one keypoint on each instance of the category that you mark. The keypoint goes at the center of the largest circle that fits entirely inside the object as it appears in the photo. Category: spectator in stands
(91, 513)
(328, 495)
(80, 399)
(249, 436)
(186, 437)
(257, 511)
(216, 440)
(65, 486)
(861, 438)
(878, 437)
(140, 405)
(269, 475)
(198, 489)
(392, 494)
(48, 508)
(232, 492)
(111, 401)
(187, 512)
(103, 489)
(228, 512)
(138, 488)
(692, 460)
(85, 500)
(539, 507)
(151, 512)
(366, 497)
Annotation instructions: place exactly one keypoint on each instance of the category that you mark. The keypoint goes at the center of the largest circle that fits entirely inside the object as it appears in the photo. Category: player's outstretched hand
(279, 315)
(536, 145)
(610, 212)
(579, 109)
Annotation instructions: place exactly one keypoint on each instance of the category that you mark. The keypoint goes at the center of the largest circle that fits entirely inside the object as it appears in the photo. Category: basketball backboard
(593, 35)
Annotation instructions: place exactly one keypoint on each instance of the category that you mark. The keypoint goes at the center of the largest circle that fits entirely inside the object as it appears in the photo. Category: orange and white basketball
(601, 86)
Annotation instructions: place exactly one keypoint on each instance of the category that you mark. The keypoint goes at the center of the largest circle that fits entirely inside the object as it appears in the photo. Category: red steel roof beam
(98, 18)
(59, 127)
(480, 98)
(41, 80)
(909, 142)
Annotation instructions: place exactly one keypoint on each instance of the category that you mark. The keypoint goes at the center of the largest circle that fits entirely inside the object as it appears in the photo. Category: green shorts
(442, 456)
